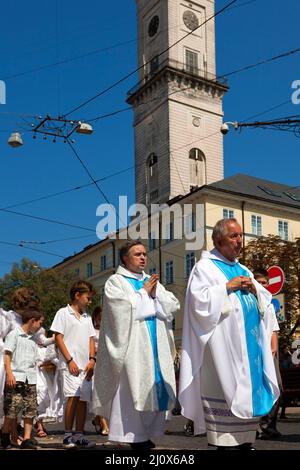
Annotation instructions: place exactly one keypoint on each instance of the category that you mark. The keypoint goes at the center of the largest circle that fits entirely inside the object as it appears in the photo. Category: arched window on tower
(152, 178)
(197, 168)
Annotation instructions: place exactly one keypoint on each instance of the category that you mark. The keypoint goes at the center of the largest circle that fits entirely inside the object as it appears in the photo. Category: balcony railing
(154, 67)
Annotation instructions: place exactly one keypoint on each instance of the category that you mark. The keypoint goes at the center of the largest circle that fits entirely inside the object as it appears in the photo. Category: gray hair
(221, 229)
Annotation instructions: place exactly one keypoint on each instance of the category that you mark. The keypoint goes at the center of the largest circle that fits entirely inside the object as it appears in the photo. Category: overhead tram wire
(76, 188)
(114, 113)
(142, 66)
(268, 110)
(87, 171)
(46, 242)
(94, 181)
(32, 249)
(262, 62)
(119, 172)
(72, 59)
(96, 51)
(93, 230)
(44, 219)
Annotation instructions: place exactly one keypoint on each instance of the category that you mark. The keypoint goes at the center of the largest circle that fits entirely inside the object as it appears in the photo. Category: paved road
(175, 439)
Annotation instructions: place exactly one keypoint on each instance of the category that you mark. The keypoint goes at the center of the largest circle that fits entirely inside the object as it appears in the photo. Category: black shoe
(145, 445)
(151, 444)
(222, 448)
(35, 441)
(271, 432)
(246, 446)
(189, 429)
(28, 444)
(5, 440)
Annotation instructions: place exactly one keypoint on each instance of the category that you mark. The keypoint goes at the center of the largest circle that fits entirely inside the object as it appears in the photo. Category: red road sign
(276, 279)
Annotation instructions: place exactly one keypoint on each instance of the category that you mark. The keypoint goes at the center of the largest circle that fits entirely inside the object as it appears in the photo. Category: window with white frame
(103, 263)
(256, 225)
(192, 61)
(152, 271)
(89, 269)
(189, 262)
(190, 223)
(228, 213)
(152, 241)
(169, 269)
(283, 229)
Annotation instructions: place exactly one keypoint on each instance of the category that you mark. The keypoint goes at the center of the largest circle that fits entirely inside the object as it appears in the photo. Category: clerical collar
(125, 272)
(215, 254)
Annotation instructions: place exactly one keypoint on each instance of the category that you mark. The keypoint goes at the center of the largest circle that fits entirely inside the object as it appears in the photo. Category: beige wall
(270, 215)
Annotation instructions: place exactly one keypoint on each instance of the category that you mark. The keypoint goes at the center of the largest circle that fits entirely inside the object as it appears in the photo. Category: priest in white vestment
(134, 380)
(227, 375)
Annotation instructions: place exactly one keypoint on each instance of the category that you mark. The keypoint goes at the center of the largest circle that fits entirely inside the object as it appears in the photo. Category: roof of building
(242, 185)
(247, 185)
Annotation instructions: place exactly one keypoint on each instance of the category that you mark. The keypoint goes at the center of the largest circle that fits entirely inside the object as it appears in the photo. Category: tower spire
(177, 102)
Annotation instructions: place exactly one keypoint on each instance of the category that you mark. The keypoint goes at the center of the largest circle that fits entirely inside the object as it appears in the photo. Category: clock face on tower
(190, 20)
(153, 26)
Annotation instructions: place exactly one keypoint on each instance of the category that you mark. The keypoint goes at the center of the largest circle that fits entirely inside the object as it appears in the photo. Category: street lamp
(52, 126)
(15, 140)
(84, 128)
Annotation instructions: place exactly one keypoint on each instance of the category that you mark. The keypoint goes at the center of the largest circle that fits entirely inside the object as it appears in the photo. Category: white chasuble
(239, 356)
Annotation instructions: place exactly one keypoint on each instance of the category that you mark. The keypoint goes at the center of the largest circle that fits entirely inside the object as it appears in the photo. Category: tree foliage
(52, 286)
(272, 250)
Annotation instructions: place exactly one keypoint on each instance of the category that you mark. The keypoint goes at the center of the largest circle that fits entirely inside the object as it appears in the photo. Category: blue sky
(33, 36)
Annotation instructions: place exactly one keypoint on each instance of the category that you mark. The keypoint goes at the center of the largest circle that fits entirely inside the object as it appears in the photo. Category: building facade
(262, 208)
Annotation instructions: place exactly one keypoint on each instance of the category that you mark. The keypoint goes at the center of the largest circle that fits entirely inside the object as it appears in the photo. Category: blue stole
(162, 394)
(262, 396)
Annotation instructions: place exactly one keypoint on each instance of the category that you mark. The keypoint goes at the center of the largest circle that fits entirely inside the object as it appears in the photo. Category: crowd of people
(117, 366)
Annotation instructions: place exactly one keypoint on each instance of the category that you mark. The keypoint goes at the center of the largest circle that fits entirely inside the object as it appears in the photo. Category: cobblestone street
(175, 439)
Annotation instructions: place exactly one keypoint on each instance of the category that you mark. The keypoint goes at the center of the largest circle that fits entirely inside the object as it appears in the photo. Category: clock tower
(177, 102)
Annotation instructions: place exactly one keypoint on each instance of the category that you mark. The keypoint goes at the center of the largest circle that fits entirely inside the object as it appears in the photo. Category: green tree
(272, 250)
(51, 285)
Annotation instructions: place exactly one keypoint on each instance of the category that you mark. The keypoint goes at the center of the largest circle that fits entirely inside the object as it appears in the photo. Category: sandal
(40, 431)
(97, 427)
(104, 432)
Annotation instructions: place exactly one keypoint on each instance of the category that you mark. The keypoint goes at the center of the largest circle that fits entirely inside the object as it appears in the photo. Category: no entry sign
(276, 279)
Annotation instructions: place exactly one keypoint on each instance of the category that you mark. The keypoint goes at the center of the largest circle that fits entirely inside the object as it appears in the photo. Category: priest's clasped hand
(150, 285)
(241, 283)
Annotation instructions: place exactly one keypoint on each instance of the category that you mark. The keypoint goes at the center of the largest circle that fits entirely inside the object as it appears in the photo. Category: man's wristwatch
(92, 357)
(70, 360)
